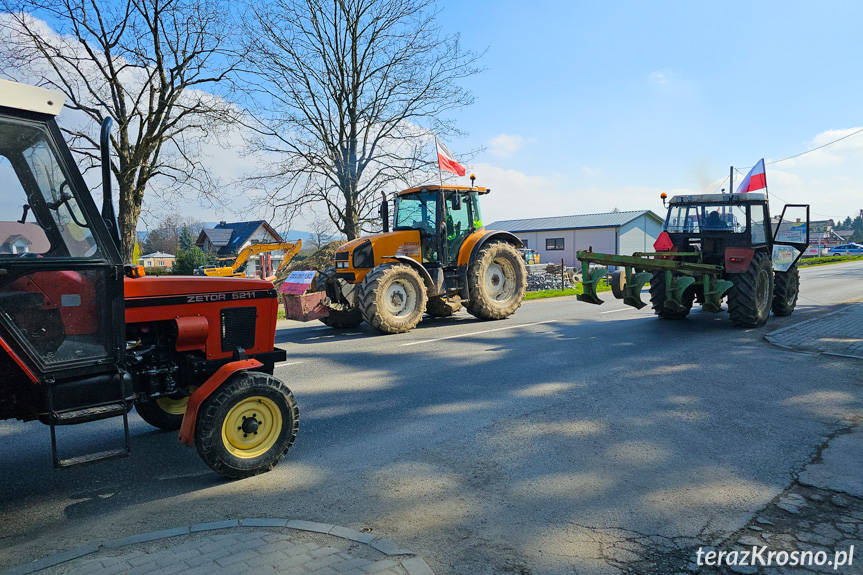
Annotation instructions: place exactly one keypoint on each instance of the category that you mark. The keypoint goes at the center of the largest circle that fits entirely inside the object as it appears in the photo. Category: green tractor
(713, 246)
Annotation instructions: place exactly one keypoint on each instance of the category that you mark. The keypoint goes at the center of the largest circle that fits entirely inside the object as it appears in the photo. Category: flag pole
(437, 153)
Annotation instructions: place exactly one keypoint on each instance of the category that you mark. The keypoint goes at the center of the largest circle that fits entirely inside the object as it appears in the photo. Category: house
(226, 240)
(158, 260)
(560, 237)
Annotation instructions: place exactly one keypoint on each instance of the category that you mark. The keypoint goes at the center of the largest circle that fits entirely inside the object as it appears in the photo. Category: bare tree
(144, 63)
(349, 93)
(321, 232)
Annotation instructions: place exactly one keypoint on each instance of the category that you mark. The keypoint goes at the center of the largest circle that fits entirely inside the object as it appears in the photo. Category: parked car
(851, 249)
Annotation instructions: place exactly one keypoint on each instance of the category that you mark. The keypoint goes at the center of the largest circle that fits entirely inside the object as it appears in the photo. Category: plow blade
(589, 282)
(632, 290)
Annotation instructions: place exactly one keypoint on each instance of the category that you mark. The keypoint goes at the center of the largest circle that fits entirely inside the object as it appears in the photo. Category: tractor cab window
(458, 224)
(418, 211)
(42, 215)
(691, 219)
(474, 206)
(53, 289)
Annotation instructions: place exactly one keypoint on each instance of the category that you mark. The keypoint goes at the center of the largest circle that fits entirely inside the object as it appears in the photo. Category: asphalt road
(529, 445)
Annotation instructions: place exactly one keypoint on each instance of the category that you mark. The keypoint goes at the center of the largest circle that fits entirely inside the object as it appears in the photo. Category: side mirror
(384, 212)
(456, 201)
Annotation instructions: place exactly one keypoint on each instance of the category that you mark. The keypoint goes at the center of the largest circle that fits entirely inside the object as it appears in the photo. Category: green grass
(543, 294)
(827, 260)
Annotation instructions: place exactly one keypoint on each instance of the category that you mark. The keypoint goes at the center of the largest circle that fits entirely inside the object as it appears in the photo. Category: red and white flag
(755, 180)
(446, 161)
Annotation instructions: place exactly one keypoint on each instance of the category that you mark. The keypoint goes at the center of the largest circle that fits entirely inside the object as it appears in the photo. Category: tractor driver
(714, 222)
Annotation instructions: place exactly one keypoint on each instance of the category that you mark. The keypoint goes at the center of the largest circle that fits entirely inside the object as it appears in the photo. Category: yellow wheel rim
(252, 427)
(173, 406)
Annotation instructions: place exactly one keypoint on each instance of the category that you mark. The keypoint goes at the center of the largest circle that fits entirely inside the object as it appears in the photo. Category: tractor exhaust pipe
(108, 215)
(385, 212)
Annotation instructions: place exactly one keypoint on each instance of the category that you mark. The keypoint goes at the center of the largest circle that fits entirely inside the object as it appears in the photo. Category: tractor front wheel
(658, 295)
(438, 306)
(247, 425)
(751, 296)
(336, 318)
(392, 298)
(496, 281)
(786, 287)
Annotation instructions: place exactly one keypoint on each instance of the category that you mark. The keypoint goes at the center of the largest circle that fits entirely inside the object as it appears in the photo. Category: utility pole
(731, 180)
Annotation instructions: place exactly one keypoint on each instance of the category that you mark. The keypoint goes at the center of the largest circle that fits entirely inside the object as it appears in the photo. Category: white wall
(601, 239)
(639, 235)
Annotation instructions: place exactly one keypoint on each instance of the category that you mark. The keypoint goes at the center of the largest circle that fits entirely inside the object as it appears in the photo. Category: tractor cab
(710, 223)
(444, 217)
(61, 281)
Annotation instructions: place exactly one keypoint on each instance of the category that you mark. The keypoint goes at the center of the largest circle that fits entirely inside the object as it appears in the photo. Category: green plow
(639, 268)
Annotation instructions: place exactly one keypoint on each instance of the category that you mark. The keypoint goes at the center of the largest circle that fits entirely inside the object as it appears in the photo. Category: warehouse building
(560, 237)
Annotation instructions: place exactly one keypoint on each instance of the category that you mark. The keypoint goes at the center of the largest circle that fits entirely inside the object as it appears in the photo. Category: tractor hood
(158, 286)
(403, 242)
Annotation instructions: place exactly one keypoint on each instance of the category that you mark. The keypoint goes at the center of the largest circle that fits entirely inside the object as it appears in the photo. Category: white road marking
(614, 310)
(286, 363)
(476, 333)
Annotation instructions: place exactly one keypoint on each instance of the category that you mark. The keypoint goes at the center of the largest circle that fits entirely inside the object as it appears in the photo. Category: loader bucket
(588, 282)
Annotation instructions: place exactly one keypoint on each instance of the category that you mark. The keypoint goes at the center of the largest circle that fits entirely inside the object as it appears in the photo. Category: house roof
(161, 255)
(230, 237)
(580, 222)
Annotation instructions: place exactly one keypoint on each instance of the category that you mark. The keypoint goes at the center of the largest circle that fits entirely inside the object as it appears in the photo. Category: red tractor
(84, 337)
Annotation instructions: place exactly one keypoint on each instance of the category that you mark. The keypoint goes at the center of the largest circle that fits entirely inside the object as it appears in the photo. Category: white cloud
(592, 172)
(660, 77)
(505, 145)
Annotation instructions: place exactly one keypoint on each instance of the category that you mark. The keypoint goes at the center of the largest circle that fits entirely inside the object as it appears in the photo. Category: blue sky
(616, 101)
(590, 106)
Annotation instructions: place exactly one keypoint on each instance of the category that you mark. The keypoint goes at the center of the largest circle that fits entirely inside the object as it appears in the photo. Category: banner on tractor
(298, 282)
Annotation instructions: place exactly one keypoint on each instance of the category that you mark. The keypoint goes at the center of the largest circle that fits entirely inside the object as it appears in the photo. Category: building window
(524, 241)
(552, 244)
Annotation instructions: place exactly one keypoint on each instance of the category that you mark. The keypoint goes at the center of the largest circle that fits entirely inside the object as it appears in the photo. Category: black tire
(438, 307)
(751, 296)
(392, 298)
(658, 295)
(246, 396)
(618, 282)
(338, 319)
(786, 288)
(165, 412)
(496, 280)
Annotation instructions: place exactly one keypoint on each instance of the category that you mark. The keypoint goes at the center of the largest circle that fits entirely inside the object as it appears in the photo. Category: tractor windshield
(689, 219)
(42, 215)
(417, 211)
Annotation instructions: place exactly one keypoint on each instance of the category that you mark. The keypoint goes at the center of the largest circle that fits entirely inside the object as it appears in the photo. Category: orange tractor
(438, 258)
(85, 338)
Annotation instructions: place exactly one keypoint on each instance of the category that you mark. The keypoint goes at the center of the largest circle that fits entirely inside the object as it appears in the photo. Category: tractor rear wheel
(751, 296)
(338, 319)
(438, 306)
(496, 281)
(392, 298)
(658, 297)
(164, 412)
(247, 425)
(786, 288)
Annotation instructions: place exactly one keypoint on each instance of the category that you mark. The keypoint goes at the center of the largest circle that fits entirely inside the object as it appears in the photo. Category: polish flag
(446, 161)
(755, 180)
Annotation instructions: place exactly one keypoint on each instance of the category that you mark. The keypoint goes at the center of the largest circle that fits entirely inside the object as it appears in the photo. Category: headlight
(364, 256)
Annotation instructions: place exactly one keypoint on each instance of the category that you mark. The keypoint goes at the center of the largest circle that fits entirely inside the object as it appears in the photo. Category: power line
(809, 151)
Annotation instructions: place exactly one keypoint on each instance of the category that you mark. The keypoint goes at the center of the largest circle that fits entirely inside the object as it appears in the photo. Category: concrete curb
(769, 337)
(414, 565)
